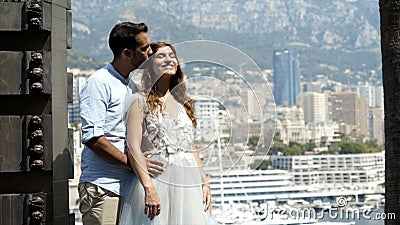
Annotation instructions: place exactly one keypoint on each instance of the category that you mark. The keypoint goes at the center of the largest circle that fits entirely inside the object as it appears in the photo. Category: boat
(254, 197)
(250, 197)
(259, 186)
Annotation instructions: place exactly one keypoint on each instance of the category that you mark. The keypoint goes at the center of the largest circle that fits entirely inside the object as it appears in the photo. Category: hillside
(330, 36)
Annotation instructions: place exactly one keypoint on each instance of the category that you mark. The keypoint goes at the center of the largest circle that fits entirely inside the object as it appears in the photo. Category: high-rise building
(374, 93)
(286, 77)
(314, 105)
(368, 91)
(207, 118)
(251, 103)
(350, 112)
(376, 124)
(379, 96)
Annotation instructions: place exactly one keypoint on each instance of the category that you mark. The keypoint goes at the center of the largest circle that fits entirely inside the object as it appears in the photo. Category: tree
(294, 149)
(309, 146)
(253, 141)
(390, 47)
(264, 165)
(277, 146)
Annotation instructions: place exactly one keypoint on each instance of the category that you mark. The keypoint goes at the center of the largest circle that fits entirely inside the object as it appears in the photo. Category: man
(105, 167)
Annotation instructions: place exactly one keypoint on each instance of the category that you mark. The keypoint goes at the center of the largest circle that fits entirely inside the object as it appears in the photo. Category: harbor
(275, 197)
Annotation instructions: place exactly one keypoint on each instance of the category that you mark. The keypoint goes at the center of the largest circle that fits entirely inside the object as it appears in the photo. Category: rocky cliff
(330, 36)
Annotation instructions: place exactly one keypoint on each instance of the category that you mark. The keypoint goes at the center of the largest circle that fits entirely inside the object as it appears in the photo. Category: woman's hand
(206, 197)
(152, 206)
(137, 160)
(205, 186)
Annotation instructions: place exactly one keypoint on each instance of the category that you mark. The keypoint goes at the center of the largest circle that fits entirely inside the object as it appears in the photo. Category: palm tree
(390, 46)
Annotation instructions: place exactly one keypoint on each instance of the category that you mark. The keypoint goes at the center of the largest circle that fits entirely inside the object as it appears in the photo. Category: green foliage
(253, 140)
(356, 148)
(295, 149)
(278, 146)
(355, 145)
(309, 146)
(264, 165)
(348, 145)
(329, 152)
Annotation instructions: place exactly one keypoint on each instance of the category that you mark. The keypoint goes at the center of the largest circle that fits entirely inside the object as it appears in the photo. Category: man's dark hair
(123, 35)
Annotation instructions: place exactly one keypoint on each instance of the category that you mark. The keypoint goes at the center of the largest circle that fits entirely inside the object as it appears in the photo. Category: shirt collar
(117, 75)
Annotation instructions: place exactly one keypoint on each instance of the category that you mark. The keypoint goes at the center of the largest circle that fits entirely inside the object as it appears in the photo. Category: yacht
(253, 186)
(249, 196)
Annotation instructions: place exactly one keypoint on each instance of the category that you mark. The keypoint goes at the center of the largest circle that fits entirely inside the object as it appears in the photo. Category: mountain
(330, 36)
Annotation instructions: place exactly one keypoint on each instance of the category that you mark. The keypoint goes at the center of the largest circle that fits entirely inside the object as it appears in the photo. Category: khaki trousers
(98, 205)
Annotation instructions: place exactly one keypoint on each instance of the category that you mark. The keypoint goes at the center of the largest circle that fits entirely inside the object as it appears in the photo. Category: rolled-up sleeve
(93, 108)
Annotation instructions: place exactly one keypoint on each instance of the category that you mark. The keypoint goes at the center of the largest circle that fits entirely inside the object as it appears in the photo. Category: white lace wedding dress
(179, 187)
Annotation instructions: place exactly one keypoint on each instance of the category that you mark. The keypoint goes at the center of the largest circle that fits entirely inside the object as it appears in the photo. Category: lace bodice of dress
(169, 135)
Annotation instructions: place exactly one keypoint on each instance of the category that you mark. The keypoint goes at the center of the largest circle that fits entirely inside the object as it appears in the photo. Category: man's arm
(154, 166)
(93, 106)
(93, 110)
(107, 151)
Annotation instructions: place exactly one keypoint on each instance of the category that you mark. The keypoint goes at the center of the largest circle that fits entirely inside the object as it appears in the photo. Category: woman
(161, 117)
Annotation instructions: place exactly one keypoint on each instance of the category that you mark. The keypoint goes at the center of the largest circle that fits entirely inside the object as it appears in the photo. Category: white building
(379, 96)
(352, 171)
(290, 124)
(208, 116)
(323, 133)
(73, 183)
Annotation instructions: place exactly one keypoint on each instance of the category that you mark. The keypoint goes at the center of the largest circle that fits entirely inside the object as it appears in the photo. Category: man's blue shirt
(101, 107)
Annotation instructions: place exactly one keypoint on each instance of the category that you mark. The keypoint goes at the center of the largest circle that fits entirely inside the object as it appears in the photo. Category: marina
(270, 197)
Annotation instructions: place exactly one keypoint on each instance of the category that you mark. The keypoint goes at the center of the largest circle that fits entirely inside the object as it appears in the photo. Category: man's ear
(127, 52)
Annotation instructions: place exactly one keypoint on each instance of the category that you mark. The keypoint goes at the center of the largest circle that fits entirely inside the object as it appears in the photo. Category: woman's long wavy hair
(177, 86)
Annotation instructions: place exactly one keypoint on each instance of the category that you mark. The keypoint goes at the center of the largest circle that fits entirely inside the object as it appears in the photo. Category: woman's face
(165, 62)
